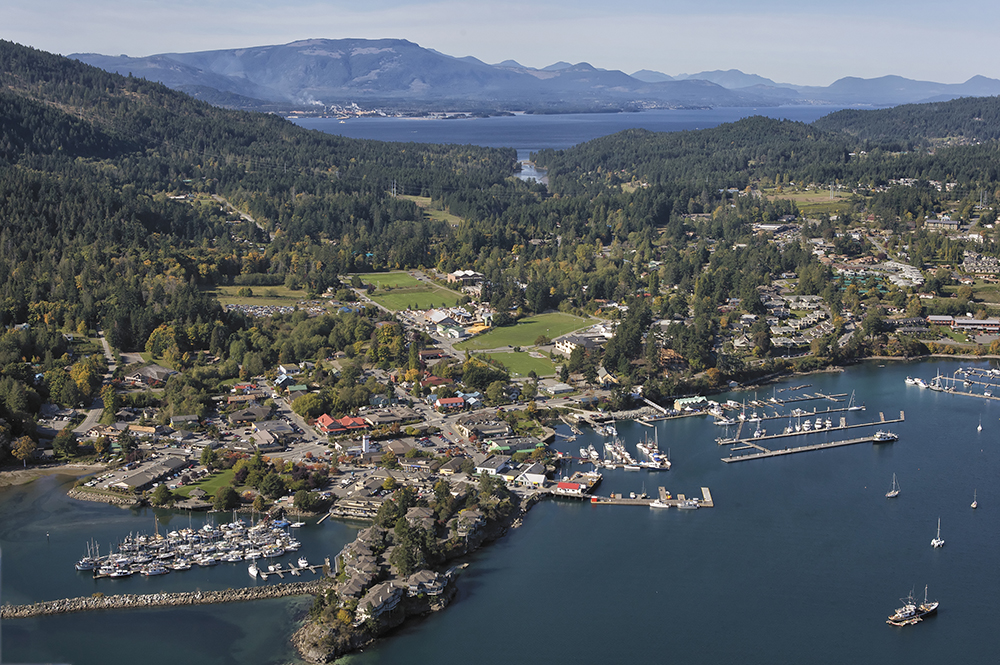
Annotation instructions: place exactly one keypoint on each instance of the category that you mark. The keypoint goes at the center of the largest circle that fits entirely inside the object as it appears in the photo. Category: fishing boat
(894, 492)
(938, 541)
(975, 503)
(911, 613)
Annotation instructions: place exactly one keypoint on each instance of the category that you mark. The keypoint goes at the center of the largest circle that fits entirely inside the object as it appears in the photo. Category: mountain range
(398, 74)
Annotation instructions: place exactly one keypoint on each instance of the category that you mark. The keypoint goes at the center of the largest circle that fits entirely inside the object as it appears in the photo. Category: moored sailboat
(894, 491)
(938, 541)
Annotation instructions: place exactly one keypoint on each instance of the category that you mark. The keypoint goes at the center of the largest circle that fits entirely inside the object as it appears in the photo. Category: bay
(528, 133)
(801, 560)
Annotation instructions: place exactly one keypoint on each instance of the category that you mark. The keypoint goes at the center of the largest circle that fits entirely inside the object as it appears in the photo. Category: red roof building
(450, 403)
(328, 425)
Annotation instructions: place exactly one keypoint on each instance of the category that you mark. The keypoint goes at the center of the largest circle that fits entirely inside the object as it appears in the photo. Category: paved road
(93, 415)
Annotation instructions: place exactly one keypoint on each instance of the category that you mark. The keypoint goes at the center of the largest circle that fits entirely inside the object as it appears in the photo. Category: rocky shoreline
(321, 642)
(99, 601)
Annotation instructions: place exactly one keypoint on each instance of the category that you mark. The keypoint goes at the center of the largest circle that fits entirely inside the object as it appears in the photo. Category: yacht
(86, 563)
(656, 503)
(303, 562)
(938, 541)
(884, 437)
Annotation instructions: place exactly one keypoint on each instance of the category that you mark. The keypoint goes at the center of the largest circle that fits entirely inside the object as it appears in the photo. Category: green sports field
(401, 290)
(526, 331)
(521, 364)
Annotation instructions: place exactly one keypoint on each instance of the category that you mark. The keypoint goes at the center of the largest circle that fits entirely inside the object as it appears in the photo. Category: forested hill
(969, 119)
(730, 155)
(756, 150)
(95, 168)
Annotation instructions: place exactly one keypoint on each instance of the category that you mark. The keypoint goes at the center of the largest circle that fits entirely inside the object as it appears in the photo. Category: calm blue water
(529, 133)
(801, 560)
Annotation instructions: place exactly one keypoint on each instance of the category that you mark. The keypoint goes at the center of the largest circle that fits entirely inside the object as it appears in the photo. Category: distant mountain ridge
(397, 73)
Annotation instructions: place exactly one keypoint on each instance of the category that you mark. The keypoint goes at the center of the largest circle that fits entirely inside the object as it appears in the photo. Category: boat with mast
(911, 613)
(975, 503)
(938, 541)
(894, 492)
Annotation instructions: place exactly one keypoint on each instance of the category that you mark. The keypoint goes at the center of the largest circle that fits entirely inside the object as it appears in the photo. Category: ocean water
(529, 133)
(801, 560)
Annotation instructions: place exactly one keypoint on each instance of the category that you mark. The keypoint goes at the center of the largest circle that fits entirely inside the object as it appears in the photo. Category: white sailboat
(851, 406)
(980, 428)
(975, 503)
(894, 492)
(938, 541)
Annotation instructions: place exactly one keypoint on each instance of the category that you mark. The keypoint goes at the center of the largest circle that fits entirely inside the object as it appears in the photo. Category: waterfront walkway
(133, 601)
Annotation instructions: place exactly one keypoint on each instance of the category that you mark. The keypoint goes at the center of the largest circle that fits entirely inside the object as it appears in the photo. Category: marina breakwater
(135, 601)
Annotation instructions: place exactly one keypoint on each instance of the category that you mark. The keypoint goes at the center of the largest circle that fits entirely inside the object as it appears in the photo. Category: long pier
(764, 452)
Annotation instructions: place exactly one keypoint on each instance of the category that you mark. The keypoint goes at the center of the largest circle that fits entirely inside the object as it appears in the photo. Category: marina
(205, 547)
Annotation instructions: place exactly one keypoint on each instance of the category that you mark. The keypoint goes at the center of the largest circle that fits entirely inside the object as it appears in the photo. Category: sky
(789, 41)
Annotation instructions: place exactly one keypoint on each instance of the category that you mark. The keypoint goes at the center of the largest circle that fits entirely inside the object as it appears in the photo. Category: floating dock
(782, 435)
(664, 497)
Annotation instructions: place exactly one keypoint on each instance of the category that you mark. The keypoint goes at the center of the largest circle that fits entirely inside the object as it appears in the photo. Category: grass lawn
(814, 202)
(521, 364)
(526, 331)
(432, 212)
(211, 484)
(401, 290)
(423, 298)
(262, 295)
(391, 279)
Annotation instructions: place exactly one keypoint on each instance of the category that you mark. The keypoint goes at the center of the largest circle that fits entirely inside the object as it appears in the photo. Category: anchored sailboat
(975, 503)
(938, 541)
(894, 492)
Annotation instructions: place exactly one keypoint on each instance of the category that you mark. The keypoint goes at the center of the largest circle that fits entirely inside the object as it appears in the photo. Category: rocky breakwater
(99, 601)
(103, 497)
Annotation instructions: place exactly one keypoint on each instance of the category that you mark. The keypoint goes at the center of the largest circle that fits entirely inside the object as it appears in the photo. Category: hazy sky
(789, 41)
